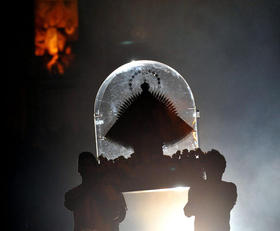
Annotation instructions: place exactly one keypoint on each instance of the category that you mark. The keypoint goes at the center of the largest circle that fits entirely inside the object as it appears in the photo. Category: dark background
(229, 53)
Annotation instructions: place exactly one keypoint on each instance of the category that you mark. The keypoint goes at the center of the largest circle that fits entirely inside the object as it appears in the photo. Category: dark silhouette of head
(214, 165)
(145, 87)
(87, 164)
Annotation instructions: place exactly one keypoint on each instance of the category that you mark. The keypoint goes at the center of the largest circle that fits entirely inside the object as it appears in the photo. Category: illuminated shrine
(146, 127)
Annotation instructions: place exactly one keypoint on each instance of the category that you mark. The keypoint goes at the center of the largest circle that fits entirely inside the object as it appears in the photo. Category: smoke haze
(229, 53)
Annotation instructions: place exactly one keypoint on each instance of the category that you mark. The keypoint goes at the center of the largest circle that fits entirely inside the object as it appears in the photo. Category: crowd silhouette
(98, 204)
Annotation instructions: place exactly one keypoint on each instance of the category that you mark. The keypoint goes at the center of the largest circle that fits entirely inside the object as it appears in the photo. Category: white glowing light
(175, 221)
(157, 210)
(180, 188)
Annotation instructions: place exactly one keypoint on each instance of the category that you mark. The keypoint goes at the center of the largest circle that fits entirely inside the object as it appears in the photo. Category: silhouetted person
(113, 206)
(81, 199)
(211, 200)
(96, 205)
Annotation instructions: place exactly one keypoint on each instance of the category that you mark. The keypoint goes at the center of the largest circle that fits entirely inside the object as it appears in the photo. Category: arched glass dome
(126, 81)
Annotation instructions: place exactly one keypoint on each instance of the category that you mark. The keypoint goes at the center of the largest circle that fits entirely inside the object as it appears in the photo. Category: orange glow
(56, 24)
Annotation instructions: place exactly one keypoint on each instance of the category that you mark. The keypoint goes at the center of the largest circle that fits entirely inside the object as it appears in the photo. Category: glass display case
(122, 87)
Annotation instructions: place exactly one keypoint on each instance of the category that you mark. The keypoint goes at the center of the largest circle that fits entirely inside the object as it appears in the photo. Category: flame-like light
(56, 24)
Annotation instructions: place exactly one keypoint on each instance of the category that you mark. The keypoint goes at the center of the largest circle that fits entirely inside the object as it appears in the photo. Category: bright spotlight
(180, 188)
(157, 210)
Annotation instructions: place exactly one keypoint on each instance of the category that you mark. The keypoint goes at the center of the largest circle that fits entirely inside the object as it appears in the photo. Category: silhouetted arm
(72, 198)
(113, 204)
(233, 194)
(123, 209)
(189, 208)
